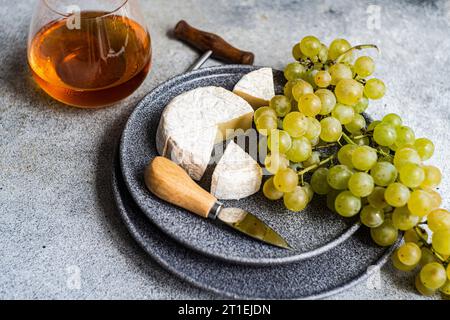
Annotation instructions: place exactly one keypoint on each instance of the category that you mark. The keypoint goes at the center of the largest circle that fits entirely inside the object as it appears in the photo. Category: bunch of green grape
(376, 170)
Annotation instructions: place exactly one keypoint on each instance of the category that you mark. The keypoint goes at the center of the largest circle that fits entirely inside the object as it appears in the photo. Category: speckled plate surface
(311, 232)
(329, 273)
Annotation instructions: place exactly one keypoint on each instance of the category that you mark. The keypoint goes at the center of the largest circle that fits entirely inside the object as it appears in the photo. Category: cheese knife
(171, 183)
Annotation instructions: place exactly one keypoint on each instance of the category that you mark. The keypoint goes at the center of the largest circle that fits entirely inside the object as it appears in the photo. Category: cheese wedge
(257, 87)
(237, 175)
(193, 122)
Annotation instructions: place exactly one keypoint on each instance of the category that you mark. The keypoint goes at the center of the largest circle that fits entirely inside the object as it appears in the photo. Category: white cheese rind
(257, 87)
(237, 175)
(189, 126)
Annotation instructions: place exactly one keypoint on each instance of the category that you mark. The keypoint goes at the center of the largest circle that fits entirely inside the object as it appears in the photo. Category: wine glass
(89, 53)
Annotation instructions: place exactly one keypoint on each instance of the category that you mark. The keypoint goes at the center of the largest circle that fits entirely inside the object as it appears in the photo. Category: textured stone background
(56, 207)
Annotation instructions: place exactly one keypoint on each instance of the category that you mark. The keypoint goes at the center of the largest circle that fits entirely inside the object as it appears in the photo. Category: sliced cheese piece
(195, 121)
(257, 87)
(237, 175)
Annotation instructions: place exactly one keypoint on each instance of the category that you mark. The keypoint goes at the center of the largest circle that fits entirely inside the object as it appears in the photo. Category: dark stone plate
(338, 269)
(311, 232)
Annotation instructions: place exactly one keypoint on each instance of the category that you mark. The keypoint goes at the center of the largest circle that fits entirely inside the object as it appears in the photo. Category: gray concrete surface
(56, 208)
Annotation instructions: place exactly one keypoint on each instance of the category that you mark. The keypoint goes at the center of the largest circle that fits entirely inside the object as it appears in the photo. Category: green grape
(331, 129)
(315, 142)
(362, 105)
(364, 158)
(310, 105)
(347, 205)
(409, 254)
(338, 177)
(427, 256)
(384, 173)
(385, 135)
(420, 203)
(331, 199)
(300, 88)
(375, 89)
(425, 148)
(361, 184)
(433, 177)
(297, 200)
(313, 160)
(266, 123)
(441, 242)
(340, 72)
(349, 92)
(296, 124)
(357, 125)
(365, 141)
(398, 264)
(322, 79)
(364, 66)
(411, 236)
(433, 275)
(448, 271)
(412, 175)
(384, 235)
(297, 52)
(345, 155)
(422, 289)
(281, 105)
(337, 48)
(393, 120)
(264, 111)
(309, 191)
(294, 71)
(314, 129)
(445, 289)
(397, 195)
(270, 192)
(438, 220)
(323, 53)
(436, 198)
(279, 141)
(319, 181)
(405, 136)
(275, 162)
(403, 219)
(406, 155)
(288, 88)
(343, 113)
(376, 199)
(300, 150)
(310, 46)
(328, 100)
(372, 217)
(286, 180)
(373, 125)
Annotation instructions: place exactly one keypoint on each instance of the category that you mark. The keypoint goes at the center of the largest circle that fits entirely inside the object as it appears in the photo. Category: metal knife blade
(252, 226)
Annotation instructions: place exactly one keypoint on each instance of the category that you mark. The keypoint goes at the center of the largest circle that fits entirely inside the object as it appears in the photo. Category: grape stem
(362, 136)
(316, 166)
(360, 47)
(326, 146)
(348, 139)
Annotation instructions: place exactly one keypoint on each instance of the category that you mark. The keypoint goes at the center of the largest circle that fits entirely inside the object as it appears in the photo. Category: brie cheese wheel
(257, 87)
(237, 175)
(193, 122)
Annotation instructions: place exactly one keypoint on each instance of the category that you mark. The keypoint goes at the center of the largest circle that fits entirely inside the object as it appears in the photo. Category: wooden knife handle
(205, 41)
(171, 183)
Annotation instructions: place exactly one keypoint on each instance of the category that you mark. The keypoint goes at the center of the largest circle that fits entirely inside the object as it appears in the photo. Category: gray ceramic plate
(329, 273)
(311, 232)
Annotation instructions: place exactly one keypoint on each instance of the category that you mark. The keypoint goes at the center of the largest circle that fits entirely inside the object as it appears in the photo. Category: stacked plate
(331, 253)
